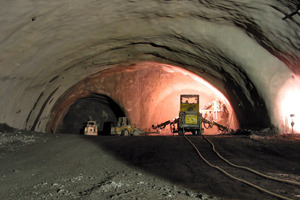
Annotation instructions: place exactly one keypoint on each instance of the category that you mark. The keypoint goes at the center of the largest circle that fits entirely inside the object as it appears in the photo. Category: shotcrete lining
(129, 32)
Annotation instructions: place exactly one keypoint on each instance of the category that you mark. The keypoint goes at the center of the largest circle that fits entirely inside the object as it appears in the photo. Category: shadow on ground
(174, 159)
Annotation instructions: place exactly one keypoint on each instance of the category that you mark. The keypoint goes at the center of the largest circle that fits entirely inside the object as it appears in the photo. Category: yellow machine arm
(209, 124)
(164, 124)
(206, 123)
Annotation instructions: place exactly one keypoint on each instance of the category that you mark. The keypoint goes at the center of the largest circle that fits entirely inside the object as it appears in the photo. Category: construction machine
(124, 128)
(190, 119)
(91, 128)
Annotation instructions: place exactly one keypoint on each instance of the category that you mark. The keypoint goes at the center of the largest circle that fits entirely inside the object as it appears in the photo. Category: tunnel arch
(93, 107)
(243, 48)
(139, 85)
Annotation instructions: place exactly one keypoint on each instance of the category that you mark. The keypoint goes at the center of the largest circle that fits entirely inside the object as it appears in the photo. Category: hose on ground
(249, 169)
(233, 177)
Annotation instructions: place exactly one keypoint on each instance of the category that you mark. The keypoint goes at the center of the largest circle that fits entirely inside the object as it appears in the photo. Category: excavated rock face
(148, 93)
(244, 48)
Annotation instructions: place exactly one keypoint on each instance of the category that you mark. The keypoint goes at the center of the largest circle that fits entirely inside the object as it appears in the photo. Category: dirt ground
(65, 166)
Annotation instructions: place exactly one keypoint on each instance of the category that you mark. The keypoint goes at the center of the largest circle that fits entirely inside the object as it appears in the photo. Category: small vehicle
(91, 128)
(124, 128)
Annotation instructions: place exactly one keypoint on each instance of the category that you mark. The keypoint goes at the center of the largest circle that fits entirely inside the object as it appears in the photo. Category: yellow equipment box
(191, 119)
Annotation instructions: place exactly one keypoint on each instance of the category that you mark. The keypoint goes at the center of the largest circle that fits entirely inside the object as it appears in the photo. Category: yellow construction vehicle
(190, 119)
(124, 128)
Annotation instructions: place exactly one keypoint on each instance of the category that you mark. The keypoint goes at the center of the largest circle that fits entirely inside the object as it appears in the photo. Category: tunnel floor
(66, 166)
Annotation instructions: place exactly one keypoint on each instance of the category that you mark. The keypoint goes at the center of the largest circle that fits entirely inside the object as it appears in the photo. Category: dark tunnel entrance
(94, 107)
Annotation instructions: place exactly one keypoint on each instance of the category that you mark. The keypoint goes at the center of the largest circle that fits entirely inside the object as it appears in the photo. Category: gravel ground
(47, 166)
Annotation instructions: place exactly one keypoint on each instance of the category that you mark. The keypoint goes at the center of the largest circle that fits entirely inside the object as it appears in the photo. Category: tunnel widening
(147, 93)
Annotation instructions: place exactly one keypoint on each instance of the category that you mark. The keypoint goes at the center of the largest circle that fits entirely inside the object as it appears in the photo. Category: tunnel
(65, 63)
(147, 93)
(94, 107)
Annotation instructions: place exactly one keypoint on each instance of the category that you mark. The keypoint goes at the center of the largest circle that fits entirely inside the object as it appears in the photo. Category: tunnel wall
(47, 47)
(148, 93)
(94, 107)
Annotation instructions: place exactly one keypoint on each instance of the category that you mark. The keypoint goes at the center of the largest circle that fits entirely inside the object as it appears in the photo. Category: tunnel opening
(94, 107)
(147, 93)
(288, 105)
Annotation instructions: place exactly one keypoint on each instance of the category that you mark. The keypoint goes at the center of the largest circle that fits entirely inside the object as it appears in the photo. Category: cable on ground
(249, 169)
(233, 177)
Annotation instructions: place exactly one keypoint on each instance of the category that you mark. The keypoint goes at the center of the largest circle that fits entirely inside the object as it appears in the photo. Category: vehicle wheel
(136, 133)
(181, 132)
(126, 132)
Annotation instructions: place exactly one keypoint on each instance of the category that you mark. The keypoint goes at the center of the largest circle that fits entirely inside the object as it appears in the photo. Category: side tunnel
(94, 107)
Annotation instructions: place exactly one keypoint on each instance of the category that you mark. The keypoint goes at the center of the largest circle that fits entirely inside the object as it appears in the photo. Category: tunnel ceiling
(244, 48)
